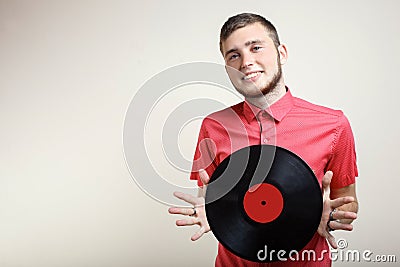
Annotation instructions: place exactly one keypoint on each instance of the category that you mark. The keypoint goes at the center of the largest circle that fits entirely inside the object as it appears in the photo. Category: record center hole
(263, 202)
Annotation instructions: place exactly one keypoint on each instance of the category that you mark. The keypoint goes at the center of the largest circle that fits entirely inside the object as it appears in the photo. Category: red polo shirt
(322, 137)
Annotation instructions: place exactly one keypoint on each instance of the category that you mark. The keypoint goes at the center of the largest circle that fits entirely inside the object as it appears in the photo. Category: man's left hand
(332, 217)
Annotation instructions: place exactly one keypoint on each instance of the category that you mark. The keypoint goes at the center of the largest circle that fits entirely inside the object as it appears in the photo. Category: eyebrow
(248, 43)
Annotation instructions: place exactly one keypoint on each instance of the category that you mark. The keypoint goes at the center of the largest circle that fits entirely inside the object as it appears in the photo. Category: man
(270, 114)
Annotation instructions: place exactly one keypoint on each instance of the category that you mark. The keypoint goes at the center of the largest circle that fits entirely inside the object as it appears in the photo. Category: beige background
(68, 70)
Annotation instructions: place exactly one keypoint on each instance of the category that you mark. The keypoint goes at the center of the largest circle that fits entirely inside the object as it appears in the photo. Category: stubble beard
(270, 87)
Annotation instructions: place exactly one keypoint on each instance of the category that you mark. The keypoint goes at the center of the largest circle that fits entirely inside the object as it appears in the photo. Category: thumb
(326, 180)
(204, 176)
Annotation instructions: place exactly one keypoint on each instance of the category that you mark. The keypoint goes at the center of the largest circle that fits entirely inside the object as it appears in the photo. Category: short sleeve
(343, 157)
(204, 154)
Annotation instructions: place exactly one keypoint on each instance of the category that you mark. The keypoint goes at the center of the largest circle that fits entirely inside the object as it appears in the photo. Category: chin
(251, 91)
(250, 94)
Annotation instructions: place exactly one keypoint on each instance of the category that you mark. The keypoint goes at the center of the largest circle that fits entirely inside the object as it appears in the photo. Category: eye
(257, 48)
(233, 57)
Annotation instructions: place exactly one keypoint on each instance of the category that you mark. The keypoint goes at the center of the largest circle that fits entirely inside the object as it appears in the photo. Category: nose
(247, 60)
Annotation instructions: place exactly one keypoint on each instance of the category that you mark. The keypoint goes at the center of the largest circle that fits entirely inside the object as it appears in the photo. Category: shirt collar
(278, 110)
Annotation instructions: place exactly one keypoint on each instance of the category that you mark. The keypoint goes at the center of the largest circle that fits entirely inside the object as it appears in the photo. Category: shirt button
(265, 140)
(265, 114)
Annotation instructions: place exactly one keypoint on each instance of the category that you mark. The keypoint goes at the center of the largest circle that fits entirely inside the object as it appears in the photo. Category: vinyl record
(261, 200)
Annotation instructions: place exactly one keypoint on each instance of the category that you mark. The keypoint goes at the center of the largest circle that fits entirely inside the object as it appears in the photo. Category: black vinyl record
(263, 199)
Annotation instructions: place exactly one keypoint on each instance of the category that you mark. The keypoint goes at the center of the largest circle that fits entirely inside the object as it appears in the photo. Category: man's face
(252, 60)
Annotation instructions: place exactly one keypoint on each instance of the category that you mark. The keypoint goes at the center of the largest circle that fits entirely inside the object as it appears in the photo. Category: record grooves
(282, 210)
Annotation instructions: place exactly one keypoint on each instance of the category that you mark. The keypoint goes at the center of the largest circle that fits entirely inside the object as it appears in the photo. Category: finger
(335, 203)
(204, 176)
(331, 240)
(340, 226)
(338, 215)
(182, 211)
(198, 234)
(187, 198)
(326, 180)
(187, 222)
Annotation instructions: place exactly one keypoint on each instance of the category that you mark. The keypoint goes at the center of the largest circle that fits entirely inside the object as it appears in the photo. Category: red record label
(263, 203)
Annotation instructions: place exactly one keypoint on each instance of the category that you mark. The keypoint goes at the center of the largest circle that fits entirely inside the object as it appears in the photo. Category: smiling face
(252, 60)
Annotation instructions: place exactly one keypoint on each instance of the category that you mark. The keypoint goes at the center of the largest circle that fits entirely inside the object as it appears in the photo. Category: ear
(283, 54)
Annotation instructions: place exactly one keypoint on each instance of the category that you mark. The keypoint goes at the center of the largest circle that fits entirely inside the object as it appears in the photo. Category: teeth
(251, 75)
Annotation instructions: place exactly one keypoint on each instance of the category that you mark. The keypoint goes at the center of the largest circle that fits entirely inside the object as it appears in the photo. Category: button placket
(264, 120)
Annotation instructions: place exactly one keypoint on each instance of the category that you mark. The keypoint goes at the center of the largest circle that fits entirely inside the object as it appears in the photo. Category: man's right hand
(197, 214)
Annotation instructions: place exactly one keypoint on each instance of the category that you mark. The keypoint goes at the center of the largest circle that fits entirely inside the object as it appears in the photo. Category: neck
(269, 98)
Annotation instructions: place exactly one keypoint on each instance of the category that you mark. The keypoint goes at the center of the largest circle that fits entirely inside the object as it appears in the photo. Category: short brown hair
(241, 20)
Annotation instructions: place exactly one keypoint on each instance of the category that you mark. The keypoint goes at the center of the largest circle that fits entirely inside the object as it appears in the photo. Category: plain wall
(69, 69)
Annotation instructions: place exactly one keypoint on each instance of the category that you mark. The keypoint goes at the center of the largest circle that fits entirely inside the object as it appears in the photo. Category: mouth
(251, 75)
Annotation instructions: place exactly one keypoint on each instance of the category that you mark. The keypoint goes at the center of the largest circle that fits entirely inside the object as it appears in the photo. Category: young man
(270, 114)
